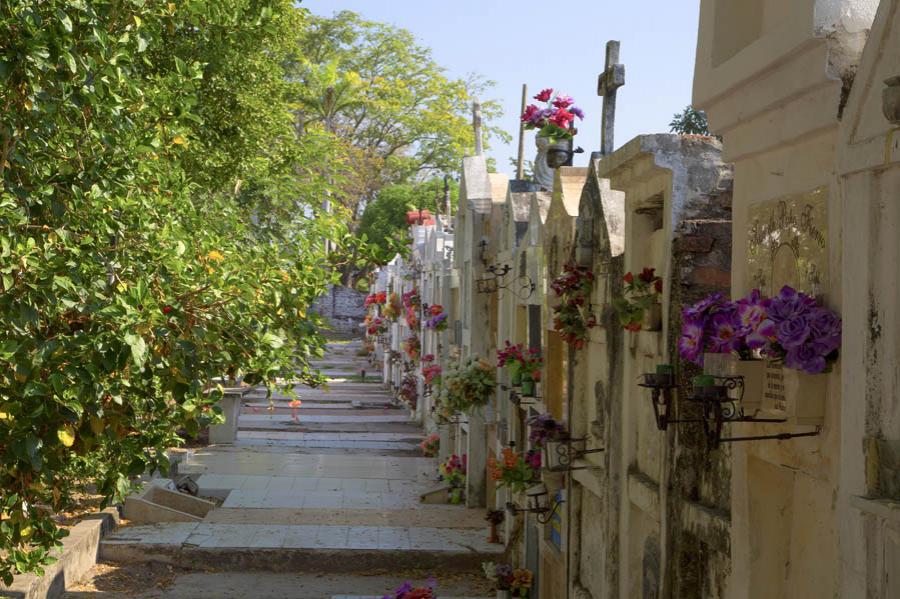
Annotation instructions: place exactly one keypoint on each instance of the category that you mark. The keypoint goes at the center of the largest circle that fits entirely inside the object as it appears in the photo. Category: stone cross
(476, 124)
(612, 78)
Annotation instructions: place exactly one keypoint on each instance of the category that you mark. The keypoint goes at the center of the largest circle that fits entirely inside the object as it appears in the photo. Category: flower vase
(503, 595)
(527, 387)
(455, 495)
(493, 537)
(753, 373)
(515, 378)
(550, 156)
(559, 153)
(652, 320)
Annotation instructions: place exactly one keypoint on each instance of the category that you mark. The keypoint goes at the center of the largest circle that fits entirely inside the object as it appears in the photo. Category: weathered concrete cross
(611, 79)
(476, 124)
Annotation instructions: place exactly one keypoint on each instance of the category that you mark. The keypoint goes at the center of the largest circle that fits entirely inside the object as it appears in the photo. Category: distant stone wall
(344, 308)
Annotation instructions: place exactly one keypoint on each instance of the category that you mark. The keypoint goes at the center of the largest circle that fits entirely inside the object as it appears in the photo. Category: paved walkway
(330, 487)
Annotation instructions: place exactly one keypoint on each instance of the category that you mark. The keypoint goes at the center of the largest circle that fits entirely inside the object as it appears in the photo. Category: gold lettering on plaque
(787, 243)
(773, 395)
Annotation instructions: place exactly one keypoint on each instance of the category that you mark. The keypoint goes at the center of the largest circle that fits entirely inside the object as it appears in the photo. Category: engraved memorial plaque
(787, 243)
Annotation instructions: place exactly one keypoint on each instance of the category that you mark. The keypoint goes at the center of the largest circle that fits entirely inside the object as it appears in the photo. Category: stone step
(275, 437)
(350, 416)
(290, 548)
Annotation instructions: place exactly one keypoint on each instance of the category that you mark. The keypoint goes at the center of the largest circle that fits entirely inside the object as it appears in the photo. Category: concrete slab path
(330, 487)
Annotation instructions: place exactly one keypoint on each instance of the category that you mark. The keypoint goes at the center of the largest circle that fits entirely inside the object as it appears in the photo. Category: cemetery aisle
(320, 500)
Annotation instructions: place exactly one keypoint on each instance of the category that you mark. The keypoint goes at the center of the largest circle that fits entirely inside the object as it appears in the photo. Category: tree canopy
(382, 93)
(384, 223)
(160, 231)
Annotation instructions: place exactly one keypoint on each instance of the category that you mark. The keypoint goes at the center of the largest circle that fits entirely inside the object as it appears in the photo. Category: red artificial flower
(530, 111)
(647, 275)
(633, 327)
(562, 118)
(658, 285)
(436, 309)
(629, 278)
(166, 309)
(536, 376)
(544, 95)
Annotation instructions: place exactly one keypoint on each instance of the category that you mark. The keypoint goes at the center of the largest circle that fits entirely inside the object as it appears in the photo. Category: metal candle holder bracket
(516, 398)
(719, 407)
(661, 386)
(543, 513)
(566, 454)
(522, 286)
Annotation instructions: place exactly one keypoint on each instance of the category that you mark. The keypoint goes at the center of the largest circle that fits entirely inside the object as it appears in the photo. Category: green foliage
(159, 228)
(689, 122)
(383, 94)
(383, 222)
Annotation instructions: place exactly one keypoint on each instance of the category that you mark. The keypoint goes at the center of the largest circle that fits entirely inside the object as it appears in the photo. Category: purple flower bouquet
(800, 333)
(791, 328)
(721, 326)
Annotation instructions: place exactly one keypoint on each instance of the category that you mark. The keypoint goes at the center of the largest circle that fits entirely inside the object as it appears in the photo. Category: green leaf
(64, 20)
(138, 348)
(70, 60)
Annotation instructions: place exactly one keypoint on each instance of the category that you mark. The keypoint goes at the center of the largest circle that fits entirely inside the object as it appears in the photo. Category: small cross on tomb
(476, 125)
(610, 80)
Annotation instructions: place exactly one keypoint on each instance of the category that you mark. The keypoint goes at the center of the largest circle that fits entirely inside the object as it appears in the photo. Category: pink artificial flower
(563, 101)
(544, 95)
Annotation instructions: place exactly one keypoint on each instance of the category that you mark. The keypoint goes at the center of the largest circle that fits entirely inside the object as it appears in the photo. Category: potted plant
(376, 299)
(438, 318)
(515, 471)
(409, 392)
(468, 385)
(412, 346)
(572, 316)
(554, 123)
(510, 357)
(724, 337)
(430, 445)
(393, 307)
(453, 473)
(804, 337)
(494, 518)
(531, 371)
(550, 435)
(638, 307)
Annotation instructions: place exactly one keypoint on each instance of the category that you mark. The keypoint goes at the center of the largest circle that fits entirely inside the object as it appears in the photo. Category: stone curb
(339, 561)
(79, 554)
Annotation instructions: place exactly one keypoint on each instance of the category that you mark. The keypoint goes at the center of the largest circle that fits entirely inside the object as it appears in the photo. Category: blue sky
(560, 45)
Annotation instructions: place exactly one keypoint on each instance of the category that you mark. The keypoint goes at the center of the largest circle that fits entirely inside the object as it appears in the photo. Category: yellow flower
(215, 256)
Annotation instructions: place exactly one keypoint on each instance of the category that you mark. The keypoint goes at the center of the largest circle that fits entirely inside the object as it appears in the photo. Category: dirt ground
(153, 581)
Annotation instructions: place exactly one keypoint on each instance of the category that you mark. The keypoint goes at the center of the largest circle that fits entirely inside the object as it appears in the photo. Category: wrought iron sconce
(721, 399)
(517, 399)
(661, 384)
(559, 456)
(521, 286)
(538, 503)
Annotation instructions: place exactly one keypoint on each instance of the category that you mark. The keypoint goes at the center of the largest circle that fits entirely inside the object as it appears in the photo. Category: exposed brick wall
(701, 260)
